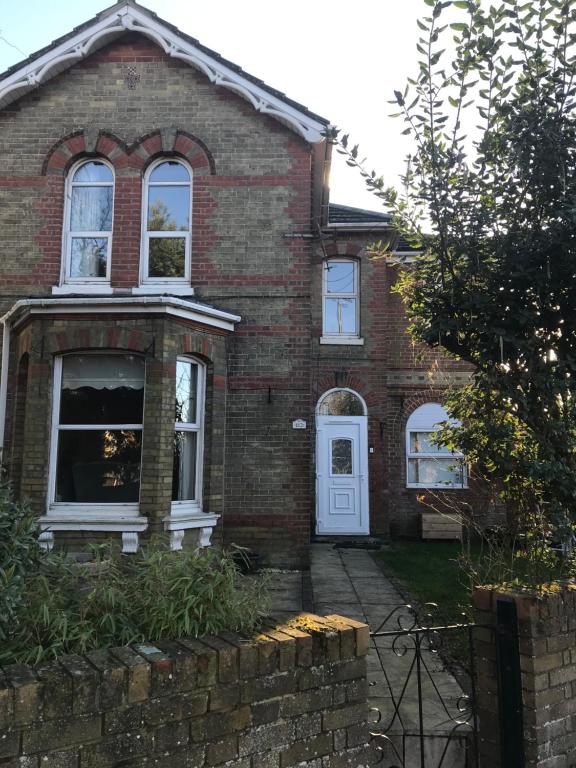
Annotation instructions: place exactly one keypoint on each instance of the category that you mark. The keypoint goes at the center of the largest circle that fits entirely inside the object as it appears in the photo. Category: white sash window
(88, 223)
(97, 433)
(167, 223)
(188, 436)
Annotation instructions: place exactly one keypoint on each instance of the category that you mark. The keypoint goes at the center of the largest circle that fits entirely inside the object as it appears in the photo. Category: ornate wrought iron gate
(426, 712)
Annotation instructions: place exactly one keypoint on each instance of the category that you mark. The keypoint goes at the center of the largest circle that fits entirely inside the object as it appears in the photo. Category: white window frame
(68, 234)
(426, 418)
(145, 280)
(336, 337)
(84, 510)
(193, 506)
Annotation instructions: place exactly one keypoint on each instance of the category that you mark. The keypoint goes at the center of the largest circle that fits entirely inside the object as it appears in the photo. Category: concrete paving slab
(285, 589)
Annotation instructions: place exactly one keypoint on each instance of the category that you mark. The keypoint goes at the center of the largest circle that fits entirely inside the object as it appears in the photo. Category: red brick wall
(391, 373)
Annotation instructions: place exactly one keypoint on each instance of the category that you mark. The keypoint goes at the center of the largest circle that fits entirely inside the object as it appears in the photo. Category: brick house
(194, 339)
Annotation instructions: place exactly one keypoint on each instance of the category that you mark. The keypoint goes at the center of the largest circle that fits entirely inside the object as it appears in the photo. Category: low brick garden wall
(292, 695)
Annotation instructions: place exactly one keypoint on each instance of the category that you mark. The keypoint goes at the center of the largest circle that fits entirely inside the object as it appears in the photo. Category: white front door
(342, 475)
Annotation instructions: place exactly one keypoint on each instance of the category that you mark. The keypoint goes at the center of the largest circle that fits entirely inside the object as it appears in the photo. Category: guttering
(350, 226)
(168, 305)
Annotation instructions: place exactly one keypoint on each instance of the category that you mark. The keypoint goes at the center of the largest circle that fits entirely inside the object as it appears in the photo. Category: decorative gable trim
(129, 18)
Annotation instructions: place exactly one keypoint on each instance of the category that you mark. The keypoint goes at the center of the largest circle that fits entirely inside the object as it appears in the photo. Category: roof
(127, 15)
(189, 309)
(349, 218)
(344, 215)
(404, 247)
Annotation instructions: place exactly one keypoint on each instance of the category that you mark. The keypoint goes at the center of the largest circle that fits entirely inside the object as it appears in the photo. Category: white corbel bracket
(129, 542)
(177, 524)
(128, 527)
(46, 540)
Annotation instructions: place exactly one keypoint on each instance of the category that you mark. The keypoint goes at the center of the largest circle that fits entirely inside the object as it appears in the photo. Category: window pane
(341, 403)
(98, 466)
(94, 171)
(91, 209)
(184, 472)
(166, 257)
(341, 457)
(170, 171)
(340, 316)
(435, 471)
(88, 257)
(339, 277)
(168, 209)
(186, 392)
(102, 389)
(421, 442)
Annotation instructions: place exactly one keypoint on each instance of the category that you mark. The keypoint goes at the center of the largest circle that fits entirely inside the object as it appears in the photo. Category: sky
(343, 60)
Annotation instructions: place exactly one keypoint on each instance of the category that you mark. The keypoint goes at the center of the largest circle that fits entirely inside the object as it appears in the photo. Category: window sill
(183, 518)
(79, 519)
(438, 486)
(352, 340)
(100, 289)
(155, 289)
(112, 513)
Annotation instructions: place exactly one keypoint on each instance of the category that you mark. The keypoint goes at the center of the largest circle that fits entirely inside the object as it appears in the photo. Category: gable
(128, 16)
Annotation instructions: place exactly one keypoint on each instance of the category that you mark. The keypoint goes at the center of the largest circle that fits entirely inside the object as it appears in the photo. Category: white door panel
(342, 475)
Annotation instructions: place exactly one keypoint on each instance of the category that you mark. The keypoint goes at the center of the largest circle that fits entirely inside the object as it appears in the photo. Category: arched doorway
(342, 464)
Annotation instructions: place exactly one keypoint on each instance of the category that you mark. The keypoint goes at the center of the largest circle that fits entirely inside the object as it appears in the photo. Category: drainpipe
(4, 382)
(6, 321)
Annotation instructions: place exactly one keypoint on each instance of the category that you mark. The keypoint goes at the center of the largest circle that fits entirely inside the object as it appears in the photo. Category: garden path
(348, 582)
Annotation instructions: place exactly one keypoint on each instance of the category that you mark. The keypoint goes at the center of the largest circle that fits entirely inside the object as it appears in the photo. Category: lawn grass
(430, 573)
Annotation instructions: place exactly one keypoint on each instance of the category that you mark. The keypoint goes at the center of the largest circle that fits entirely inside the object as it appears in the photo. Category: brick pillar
(546, 626)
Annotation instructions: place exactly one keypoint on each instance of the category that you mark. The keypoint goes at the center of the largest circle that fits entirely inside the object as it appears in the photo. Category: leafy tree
(493, 181)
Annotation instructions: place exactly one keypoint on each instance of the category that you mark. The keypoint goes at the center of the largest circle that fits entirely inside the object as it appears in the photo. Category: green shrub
(20, 555)
(58, 606)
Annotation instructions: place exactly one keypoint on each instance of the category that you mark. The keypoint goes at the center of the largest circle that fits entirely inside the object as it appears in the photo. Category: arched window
(427, 464)
(188, 436)
(167, 223)
(341, 402)
(88, 223)
(340, 310)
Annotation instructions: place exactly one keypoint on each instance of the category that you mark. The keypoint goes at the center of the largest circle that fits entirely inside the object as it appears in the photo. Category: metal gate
(427, 711)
